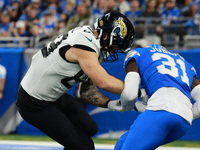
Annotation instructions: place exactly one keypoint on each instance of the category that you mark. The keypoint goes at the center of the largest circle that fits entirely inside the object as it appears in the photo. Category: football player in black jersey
(72, 57)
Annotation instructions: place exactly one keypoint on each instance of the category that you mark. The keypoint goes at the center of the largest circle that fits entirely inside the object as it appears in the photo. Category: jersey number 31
(174, 66)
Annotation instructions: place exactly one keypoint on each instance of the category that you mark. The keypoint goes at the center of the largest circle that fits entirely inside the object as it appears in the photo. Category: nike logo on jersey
(88, 39)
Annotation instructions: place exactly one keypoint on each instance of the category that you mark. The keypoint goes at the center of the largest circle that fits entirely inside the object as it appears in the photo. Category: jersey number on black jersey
(53, 45)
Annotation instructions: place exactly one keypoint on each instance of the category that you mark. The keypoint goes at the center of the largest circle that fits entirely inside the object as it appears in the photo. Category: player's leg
(120, 142)
(75, 111)
(180, 127)
(149, 130)
(57, 126)
(54, 123)
(139, 136)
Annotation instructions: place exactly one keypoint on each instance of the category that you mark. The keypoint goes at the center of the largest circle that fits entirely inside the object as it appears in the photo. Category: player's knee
(94, 129)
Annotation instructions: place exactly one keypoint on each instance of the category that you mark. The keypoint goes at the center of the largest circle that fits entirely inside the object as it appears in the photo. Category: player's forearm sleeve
(195, 95)
(129, 94)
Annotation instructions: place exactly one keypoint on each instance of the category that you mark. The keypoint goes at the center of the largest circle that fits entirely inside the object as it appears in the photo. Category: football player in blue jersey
(170, 82)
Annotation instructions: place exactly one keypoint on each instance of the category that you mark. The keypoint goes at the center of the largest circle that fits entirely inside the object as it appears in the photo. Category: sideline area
(38, 145)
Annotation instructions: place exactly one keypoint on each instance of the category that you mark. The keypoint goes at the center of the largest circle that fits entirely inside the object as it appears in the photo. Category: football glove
(116, 105)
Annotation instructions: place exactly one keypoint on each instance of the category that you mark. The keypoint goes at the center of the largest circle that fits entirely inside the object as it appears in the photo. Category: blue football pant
(152, 129)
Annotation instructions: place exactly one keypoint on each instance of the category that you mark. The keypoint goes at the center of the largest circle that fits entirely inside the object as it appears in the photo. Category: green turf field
(96, 140)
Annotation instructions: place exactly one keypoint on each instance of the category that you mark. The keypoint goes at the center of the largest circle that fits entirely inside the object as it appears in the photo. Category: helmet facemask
(108, 48)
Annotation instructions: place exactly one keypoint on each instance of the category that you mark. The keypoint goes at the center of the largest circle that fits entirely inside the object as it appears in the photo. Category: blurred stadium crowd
(44, 19)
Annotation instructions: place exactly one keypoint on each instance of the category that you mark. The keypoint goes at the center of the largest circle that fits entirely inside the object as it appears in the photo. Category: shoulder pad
(131, 53)
(84, 36)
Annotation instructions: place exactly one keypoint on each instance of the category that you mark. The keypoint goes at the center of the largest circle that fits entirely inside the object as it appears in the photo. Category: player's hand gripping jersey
(57, 75)
(160, 68)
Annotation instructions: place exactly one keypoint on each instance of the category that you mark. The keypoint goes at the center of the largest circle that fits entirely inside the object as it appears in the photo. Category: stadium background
(16, 52)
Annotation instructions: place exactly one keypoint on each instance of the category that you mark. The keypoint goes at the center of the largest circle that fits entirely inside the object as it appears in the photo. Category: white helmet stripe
(111, 39)
(100, 34)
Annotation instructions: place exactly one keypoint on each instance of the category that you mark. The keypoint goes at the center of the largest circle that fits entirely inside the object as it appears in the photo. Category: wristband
(139, 93)
(106, 104)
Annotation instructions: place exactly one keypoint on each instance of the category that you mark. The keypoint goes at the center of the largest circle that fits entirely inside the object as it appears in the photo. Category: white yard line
(42, 143)
(98, 146)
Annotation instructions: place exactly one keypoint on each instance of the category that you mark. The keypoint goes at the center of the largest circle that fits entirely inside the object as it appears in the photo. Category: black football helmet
(120, 34)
